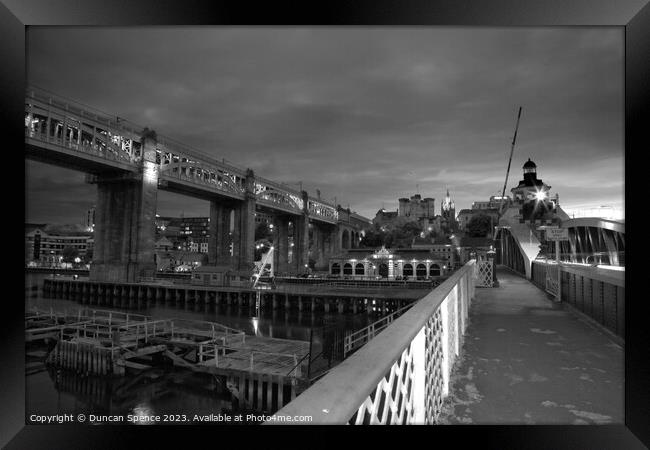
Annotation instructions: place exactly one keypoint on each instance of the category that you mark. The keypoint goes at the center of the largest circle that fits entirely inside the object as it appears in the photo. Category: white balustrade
(401, 376)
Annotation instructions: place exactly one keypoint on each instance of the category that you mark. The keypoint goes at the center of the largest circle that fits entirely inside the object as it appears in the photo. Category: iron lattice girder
(109, 137)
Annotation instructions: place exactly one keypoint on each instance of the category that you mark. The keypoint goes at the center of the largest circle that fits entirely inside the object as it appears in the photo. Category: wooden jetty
(261, 373)
(325, 298)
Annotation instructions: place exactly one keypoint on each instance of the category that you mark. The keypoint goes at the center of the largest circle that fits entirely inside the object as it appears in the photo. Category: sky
(366, 115)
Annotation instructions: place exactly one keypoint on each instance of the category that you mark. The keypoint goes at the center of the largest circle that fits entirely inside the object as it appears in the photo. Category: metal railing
(402, 375)
(219, 354)
(597, 291)
(353, 341)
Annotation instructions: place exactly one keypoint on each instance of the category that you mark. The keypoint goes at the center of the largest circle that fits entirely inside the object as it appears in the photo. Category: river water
(157, 391)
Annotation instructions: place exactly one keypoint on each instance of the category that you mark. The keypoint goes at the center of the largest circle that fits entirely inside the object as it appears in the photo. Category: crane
(512, 149)
(259, 270)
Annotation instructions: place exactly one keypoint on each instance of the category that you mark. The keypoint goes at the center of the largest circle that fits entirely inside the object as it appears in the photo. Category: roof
(163, 241)
(529, 164)
(214, 268)
(66, 230)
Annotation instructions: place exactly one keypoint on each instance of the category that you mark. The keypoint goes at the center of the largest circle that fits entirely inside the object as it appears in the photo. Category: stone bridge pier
(124, 226)
(281, 243)
(324, 239)
(232, 223)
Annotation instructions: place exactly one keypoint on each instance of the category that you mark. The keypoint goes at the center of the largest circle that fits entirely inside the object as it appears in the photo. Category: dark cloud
(363, 114)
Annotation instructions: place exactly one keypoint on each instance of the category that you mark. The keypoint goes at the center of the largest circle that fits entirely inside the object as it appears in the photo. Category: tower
(448, 211)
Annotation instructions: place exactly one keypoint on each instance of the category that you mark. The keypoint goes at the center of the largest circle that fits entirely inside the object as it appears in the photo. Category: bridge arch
(509, 252)
(594, 241)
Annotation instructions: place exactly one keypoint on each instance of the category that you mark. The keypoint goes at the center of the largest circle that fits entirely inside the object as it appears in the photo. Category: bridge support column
(218, 242)
(319, 252)
(281, 244)
(243, 245)
(301, 238)
(125, 227)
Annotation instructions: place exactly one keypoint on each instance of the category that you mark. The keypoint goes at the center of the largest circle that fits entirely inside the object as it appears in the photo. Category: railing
(89, 149)
(218, 354)
(141, 325)
(402, 375)
(355, 340)
(94, 132)
(484, 273)
(595, 291)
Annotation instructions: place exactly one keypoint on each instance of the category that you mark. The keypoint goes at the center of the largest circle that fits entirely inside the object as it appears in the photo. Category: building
(164, 244)
(441, 249)
(185, 233)
(495, 202)
(45, 245)
(404, 263)
(421, 210)
(179, 260)
(448, 213)
(464, 216)
(417, 207)
(532, 196)
(383, 217)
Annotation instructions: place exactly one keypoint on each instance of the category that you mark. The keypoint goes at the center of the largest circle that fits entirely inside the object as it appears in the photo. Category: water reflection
(159, 391)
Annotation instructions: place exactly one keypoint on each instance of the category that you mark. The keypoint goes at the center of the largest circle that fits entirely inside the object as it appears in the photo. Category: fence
(355, 340)
(596, 292)
(402, 375)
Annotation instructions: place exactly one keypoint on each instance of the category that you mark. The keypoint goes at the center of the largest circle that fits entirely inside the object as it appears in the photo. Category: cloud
(351, 111)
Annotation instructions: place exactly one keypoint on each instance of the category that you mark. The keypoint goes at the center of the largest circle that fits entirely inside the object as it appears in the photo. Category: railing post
(295, 363)
(146, 331)
(251, 367)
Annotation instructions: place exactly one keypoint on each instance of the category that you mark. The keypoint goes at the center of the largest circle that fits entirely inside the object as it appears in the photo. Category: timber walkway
(529, 360)
(262, 373)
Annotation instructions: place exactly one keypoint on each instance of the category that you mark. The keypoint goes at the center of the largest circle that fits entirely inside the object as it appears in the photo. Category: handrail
(338, 396)
(371, 330)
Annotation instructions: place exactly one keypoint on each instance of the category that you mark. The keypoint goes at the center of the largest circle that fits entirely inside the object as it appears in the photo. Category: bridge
(473, 352)
(130, 164)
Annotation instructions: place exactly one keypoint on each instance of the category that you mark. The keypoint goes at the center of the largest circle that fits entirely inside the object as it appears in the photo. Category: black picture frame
(633, 15)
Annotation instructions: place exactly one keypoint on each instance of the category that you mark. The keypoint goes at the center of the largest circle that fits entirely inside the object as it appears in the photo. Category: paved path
(527, 360)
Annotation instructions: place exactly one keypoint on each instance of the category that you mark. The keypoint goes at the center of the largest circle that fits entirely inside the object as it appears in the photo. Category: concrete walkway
(527, 360)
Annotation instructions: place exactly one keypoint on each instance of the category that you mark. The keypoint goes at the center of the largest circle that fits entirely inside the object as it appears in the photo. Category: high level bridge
(130, 164)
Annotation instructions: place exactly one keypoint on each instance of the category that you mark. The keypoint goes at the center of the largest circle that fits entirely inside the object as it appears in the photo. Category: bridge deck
(528, 360)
